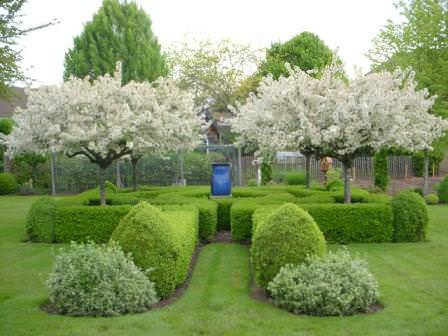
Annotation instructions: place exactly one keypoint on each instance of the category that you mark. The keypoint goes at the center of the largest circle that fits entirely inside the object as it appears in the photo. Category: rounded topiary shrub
(410, 217)
(287, 236)
(40, 220)
(98, 280)
(8, 184)
(145, 234)
(442, 190)
(334, 285)
(432, 199)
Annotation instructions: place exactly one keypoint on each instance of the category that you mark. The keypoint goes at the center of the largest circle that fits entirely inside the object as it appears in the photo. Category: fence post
(239, 167)
(53, 172)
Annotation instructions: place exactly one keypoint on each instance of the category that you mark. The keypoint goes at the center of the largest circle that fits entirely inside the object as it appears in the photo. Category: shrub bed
(84, 223)
(287, 236)
(98, 281)
(442, 190)
(410, 217)
(40, 220)
(163, 242)
(8, 183)
(334, 285)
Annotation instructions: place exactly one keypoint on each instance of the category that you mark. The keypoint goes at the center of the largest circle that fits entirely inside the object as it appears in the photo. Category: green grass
(413, 281)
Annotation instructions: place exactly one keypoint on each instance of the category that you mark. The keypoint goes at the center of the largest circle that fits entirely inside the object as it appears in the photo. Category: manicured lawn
(413, 281)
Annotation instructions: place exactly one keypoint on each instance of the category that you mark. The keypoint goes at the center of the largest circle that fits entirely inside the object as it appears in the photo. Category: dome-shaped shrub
(98, 280)
(287, 236)
(410, 217)
(442, 190)
(8, 184)
(334, 285)
(145, 234)
(432, 199)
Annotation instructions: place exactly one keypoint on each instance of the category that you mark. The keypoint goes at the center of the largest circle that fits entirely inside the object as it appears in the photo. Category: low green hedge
(84, 223)
(350, 223)
(345, 223)
(40, 219)
(242, 210)
(208, 211)
(8, 183)
(410, 217)
(224, 206)
(287, 236)
(162, 242)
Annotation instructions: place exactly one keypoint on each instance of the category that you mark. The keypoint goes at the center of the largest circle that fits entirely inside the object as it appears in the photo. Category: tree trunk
(134, 162)
(102, 183)
(308, 170)
(347, 192)
(53, 173)
(5, 163)
(118, 173)
(425, 174)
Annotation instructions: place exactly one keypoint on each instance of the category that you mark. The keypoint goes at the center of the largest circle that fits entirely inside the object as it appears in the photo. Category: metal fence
(78, 174)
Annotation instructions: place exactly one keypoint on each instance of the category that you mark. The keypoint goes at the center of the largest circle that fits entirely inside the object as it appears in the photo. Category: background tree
(420, 40)
(11, 28)
(213, 70)
(306, 51)
(119, 32)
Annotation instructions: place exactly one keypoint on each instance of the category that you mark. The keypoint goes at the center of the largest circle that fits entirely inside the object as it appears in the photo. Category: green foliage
(435, 158)
(380, 169)
(252, 183)
(442, 190)
(295, 178)
(40, 220)
(8, 184)
(224, 205)
(6, 125)
(333, 179)
(416, 41)
(32, 167)
(242, 210)
(197, 166)
(353, 223)
(98, 280)
(84, 223)
(432, 199)
(119, 31)
(334, 285)
(306, 50)
(111, 187)
(410, 217)
(208, 211)
(266, 172)
(287, 236)
(163, 242)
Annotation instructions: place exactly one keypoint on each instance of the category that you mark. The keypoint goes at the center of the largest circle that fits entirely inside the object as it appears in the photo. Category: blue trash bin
(221, 179)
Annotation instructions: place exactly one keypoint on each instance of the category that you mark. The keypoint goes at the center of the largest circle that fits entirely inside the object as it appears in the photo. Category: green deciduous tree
(11, 29)
(306, 50)
(419, 41)
(119, 31)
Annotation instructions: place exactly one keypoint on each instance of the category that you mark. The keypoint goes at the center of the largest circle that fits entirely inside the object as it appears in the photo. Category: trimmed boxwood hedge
(39, 225)
(84, 223)
(162, 242)
(410, 217)
(345, 223)
(288, 236)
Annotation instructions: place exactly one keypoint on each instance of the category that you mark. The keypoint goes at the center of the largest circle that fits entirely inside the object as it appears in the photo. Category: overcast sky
(348, 25)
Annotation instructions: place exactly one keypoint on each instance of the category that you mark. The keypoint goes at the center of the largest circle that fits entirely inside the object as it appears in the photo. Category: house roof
(18, 99)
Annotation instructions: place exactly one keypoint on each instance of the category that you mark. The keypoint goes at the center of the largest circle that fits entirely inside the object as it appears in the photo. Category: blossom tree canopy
(338, 118)
(103, 120)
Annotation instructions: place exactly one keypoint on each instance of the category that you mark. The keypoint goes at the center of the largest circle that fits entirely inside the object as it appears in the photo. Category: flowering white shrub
(336, 284)
(98, 280)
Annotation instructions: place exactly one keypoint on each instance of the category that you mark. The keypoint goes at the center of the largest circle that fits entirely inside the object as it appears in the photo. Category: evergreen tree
(120, 31)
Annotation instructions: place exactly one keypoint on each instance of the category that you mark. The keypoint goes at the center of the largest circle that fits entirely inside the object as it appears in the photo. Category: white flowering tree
(343, 119)
(104, 121)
